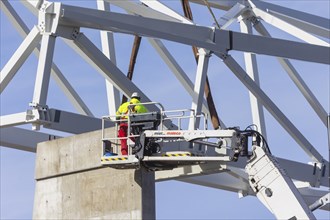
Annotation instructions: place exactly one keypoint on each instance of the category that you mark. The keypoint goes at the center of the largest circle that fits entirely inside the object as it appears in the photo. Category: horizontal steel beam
(295, 170)
(219, 41)
(73, 123)
(22, 139)
(223, 181)
(13, 119)
(55, 119)
(280, 48)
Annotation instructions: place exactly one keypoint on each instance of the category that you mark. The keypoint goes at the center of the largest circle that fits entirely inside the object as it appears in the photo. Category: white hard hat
(135, 95)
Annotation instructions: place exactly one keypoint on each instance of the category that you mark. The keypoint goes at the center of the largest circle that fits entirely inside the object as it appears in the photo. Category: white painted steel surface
(158, 21)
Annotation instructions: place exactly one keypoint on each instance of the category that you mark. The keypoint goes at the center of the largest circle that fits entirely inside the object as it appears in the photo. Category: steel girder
(159, 22)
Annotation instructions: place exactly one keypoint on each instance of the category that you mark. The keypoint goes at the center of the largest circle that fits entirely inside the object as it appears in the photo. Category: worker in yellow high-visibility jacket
(122, 114)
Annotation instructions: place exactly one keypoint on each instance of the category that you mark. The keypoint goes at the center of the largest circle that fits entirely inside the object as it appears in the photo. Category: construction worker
(122, 114)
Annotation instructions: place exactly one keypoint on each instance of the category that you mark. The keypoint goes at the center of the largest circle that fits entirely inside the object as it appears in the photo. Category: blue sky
(174, 200)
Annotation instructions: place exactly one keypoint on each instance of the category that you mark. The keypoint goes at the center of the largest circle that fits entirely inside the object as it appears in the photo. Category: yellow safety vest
(138, 108)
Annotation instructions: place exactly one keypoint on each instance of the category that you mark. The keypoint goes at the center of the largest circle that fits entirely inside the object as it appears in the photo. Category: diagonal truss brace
(19, 57)
(59, 78)
(35, 3)
(86, 49)
(278, 23)
(223, 4)
(231, 15)
(271, 107)
(294, 75)
(89, 52)
(144, 11)
(178, 72)
(307, 22)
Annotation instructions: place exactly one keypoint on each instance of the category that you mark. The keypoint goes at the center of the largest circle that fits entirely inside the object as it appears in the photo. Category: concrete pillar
(72, 184)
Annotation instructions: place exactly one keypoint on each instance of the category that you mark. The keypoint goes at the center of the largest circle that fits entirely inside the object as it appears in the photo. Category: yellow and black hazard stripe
(103, 159)
(177, 155)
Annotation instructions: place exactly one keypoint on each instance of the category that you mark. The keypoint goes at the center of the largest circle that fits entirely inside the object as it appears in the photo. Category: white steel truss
(160, 24)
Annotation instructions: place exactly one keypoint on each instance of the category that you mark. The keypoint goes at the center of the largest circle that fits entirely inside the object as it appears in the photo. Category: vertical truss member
(213, 111)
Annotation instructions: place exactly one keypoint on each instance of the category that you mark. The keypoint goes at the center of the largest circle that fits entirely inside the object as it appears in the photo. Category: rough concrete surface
(72, 184)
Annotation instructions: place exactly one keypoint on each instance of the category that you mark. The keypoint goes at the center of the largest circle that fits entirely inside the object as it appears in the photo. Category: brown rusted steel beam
(135, 50)
(207, 90)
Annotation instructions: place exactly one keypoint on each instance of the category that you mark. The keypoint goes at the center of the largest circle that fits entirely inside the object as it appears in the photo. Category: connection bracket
(319, 172)
(324, 200)
(49, 14)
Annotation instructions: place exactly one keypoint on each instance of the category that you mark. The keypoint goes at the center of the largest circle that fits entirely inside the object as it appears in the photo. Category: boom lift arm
(273, 186)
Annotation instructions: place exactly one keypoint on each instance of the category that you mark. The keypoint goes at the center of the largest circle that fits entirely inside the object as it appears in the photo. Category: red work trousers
(122, 133)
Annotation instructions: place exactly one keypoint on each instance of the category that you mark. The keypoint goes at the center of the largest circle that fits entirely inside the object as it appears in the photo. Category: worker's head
(136, 96)
(134, 101)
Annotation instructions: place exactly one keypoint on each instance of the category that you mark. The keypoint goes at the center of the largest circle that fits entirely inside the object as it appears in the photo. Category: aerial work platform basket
(151, 142)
